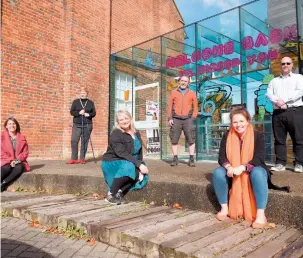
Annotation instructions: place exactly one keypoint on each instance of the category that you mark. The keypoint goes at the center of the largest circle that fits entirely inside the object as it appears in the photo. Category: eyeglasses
(285, 63)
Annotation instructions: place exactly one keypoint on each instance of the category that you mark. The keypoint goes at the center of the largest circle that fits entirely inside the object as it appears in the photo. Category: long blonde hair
(126, 113)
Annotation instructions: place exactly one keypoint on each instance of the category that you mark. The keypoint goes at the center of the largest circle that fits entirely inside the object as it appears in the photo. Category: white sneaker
(298, 168)
(278, 167)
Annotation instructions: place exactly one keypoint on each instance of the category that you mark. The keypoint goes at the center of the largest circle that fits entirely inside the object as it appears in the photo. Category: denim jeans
(258, 179)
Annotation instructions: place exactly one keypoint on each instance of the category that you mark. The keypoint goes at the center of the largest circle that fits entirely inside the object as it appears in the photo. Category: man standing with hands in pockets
(286, 94)
(83, 111)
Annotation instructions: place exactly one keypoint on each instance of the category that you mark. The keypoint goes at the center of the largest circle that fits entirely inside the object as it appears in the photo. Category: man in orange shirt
(182, 110)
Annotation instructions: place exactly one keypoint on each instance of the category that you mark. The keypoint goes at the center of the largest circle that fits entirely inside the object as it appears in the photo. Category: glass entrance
(230, 58)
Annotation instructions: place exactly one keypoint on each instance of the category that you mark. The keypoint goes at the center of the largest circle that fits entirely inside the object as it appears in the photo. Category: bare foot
(261, 220)
(223, 211)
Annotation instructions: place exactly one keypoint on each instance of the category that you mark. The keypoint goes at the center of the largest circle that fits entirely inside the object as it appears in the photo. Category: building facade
(231, 57)
(50, 48)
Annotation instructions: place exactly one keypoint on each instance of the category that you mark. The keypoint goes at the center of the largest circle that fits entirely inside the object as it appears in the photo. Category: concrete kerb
(283, 208)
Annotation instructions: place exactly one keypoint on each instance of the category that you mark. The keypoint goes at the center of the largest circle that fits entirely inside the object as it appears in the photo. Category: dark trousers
(83, 133)
(288, 121)
(123, 184)
(10, 174)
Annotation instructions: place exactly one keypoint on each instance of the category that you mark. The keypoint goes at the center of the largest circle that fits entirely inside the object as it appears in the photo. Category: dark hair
(239, 110)
(15, 121)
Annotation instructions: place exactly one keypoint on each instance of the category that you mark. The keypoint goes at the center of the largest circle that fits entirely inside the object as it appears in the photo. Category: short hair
(126, 113)
(84, 89)
(239, 110)
(18, 129)
(186, 77)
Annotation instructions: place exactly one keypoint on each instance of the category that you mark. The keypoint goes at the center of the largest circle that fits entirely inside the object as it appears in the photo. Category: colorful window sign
(276, 36)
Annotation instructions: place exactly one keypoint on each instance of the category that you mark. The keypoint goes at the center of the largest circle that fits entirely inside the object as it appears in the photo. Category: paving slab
(145, 230)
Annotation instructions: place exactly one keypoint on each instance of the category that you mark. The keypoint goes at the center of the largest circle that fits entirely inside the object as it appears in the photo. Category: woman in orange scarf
(242, 167)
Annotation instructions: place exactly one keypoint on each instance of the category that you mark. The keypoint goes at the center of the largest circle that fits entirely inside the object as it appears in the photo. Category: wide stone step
(155, 231)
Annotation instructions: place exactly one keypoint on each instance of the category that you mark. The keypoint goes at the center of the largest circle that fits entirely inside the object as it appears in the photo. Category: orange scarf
(242, 202)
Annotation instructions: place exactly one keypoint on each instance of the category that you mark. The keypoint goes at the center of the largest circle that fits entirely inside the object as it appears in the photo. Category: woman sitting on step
(14, 152)
(122, 164)
(241, 159)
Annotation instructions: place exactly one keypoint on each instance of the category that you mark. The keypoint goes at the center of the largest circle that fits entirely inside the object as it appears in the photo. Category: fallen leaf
(96, 196)
(181, 226)
(160, 234)
(177, 206)
(91, 241)
(152, 203)
(35, 224)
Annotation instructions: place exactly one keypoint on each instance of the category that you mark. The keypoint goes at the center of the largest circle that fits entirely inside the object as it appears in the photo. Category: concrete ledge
(283, 208)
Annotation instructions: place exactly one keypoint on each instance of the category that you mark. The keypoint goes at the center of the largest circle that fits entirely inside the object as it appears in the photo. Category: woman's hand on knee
(230, 171)
(143, 169)
(238, 170)
(13, 164)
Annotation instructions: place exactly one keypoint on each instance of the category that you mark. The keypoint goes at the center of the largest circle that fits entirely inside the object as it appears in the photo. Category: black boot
(4, 185)
(175, 161)
(112, 199)
(191, 162)
(120, 196)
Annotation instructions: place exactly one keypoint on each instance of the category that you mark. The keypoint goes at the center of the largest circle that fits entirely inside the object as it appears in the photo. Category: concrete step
(283, 208)
(191, 187)
(155, 231)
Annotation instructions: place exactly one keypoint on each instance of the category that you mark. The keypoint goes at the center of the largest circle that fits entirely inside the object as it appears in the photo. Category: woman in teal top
(122, 164)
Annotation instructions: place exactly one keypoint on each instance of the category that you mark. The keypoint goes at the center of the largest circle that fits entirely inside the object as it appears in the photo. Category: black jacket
(259, 152)
(77, 107)
(121, 146)
(257, 160)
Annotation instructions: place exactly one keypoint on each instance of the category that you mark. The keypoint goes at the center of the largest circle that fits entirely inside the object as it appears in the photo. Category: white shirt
(288, 88)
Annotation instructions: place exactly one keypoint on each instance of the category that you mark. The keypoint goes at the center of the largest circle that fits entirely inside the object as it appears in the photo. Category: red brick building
(50, 48)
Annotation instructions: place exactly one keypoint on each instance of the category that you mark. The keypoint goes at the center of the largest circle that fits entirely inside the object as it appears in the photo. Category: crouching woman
(122, 164)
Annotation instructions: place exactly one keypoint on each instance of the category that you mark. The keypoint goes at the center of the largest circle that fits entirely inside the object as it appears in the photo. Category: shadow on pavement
(33, 167)
(16, 248)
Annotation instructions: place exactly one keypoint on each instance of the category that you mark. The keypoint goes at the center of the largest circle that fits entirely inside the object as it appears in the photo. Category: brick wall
(136, 21)
(50, 48)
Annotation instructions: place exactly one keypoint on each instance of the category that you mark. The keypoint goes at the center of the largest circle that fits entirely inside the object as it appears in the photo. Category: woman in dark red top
(14, 152)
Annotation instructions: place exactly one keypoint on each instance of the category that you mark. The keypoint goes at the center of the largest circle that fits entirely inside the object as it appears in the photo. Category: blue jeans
(258, 179)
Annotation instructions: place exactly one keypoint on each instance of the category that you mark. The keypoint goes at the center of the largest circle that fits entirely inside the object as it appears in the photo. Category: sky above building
(226, 24)
(195, 10)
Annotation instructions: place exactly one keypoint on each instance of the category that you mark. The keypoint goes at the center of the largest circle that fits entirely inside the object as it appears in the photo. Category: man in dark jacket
(83, 111)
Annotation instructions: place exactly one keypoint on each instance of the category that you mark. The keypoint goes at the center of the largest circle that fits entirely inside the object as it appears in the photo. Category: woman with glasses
(241, 182)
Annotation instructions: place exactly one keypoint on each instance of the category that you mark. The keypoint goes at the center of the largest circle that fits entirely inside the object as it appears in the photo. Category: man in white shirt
(286, 94)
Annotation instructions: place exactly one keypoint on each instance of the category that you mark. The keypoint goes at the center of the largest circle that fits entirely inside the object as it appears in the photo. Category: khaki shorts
(185, 125)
